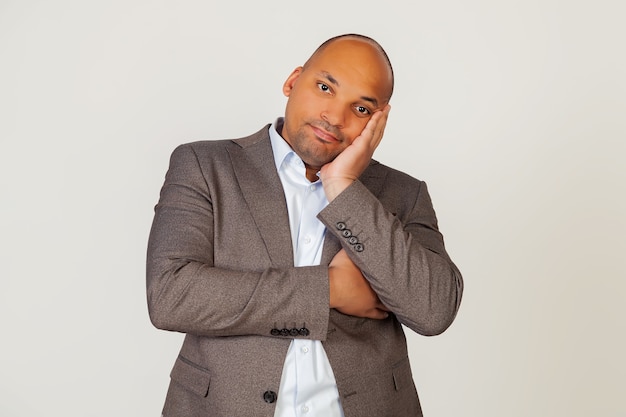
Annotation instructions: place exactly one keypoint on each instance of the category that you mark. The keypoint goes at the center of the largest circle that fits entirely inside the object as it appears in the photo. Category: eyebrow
(332, 80)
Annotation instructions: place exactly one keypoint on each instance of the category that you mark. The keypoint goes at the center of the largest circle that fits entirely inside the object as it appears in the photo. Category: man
(291, 259)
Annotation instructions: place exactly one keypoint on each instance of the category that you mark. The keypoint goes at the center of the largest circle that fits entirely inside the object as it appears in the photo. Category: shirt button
(305, 349)
(313, 187)
(304, 409)
(307, 240)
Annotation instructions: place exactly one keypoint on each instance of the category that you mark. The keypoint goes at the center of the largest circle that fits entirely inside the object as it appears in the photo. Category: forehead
(355, 64)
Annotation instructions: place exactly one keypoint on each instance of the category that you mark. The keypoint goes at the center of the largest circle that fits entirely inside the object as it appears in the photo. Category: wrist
(335, 186)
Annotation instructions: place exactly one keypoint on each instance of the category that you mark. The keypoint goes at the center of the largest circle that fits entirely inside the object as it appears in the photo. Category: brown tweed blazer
(220, 269)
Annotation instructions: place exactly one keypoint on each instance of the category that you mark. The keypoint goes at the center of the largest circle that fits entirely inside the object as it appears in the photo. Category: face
(332, 98)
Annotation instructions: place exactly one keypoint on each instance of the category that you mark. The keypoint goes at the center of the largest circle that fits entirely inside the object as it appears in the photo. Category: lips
(324, 135)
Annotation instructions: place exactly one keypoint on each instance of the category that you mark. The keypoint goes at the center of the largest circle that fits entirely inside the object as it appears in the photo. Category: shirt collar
(283, 152)
(280, 147)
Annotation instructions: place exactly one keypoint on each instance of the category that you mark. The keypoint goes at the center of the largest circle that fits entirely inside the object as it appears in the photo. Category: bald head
(352, 40)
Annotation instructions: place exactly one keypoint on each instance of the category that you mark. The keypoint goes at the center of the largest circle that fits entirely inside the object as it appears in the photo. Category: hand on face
(338, 174)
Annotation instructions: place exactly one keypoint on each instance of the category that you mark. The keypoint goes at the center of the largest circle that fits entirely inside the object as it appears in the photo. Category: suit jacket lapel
(253, 164)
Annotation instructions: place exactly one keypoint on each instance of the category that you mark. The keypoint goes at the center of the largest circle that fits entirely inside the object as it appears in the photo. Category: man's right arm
(188, 293)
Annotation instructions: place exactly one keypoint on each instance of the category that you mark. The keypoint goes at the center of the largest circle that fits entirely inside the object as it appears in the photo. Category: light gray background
(512, 111)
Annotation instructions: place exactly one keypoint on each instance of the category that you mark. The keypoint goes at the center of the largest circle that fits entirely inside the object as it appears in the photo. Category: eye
(323, 87)
(362, 110)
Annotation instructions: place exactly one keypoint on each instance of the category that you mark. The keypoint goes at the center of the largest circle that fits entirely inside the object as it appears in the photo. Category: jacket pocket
(402, 376)
(191, 376)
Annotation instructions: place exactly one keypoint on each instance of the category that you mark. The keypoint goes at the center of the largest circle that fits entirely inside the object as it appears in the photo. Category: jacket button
(359, 247)
(341, 225)
(353, 240)
(284, 332)
(269, 397)
(294, 332)
(275, 332)
(346, 233)
(304, 331)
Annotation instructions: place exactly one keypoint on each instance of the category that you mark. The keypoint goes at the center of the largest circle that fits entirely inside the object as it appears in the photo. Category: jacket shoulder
(217, 144)
(390, 175)
(217, 150)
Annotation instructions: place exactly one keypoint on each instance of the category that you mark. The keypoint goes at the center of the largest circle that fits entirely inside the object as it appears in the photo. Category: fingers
(340, 258)
(375, 127)
(377, 314)
(350, 292)
(382, 123)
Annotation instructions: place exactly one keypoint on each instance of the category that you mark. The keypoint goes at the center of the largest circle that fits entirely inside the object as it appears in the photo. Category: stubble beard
(312, 150)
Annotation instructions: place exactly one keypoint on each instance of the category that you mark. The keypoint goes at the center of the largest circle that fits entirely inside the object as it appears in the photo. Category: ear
(291, 81)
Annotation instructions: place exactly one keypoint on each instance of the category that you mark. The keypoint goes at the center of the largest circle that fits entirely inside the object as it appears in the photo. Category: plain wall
(513, 112)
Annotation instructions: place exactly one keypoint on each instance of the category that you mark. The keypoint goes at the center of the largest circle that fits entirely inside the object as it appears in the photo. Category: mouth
(324, 135)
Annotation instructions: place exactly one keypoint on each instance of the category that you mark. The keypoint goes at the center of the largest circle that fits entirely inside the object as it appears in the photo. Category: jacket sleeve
(401, 254)
(187, 293)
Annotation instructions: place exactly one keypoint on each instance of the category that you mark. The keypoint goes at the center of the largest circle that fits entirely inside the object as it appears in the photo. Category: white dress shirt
(307, 387)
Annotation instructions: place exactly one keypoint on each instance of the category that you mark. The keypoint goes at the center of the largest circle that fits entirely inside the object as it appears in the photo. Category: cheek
(355, 128)
(304, 107)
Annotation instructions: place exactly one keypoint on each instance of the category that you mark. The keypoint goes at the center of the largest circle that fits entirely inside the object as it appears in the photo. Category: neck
(311, 173)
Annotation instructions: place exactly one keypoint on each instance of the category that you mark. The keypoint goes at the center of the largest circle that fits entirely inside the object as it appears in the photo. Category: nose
(334, 115)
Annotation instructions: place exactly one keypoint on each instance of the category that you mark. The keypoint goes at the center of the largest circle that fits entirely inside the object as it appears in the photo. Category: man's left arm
(402, 255)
